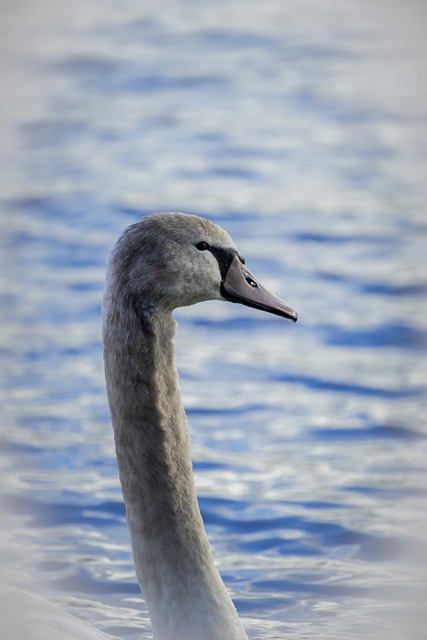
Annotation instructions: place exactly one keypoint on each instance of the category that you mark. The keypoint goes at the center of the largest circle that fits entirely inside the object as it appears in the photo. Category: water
(302, 130)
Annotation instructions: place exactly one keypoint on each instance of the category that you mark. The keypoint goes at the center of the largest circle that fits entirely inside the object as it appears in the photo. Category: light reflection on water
(309, 441)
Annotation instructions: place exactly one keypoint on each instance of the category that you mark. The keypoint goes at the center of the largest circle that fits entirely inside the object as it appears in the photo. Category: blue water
(303, 132)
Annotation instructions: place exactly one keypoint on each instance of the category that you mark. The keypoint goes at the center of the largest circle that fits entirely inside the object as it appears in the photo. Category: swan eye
(202, 246)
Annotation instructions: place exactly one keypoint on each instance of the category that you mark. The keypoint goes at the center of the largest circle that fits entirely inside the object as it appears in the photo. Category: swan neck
(184, 592)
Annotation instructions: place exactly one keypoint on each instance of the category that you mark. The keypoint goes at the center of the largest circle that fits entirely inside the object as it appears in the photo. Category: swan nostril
(251, 281)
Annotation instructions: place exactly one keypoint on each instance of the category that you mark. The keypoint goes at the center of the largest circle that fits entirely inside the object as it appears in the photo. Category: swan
(26, 616)
(165, 261)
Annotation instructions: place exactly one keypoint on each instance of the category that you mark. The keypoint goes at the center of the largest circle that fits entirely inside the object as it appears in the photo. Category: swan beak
(241, 286)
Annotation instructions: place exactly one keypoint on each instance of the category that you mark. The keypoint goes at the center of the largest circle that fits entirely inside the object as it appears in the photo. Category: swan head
(170, 260)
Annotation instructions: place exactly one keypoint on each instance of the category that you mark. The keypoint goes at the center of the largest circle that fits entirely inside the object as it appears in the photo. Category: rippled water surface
(302, 130)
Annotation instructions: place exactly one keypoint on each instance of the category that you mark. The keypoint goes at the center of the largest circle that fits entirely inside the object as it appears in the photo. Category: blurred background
(299, 126)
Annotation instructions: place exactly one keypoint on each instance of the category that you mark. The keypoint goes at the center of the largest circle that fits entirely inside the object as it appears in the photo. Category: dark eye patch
(224, 257)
